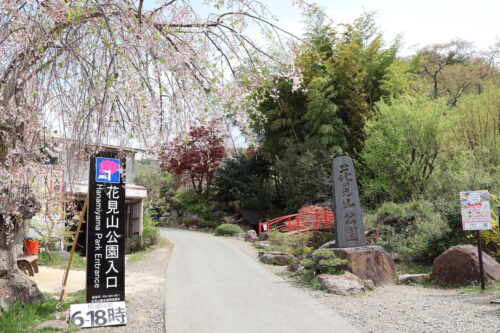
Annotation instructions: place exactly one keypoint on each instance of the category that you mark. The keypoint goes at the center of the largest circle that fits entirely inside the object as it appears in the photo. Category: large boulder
(276, 258)
(239, 235)
(251, 236)
(368, 262)
(345, 284)
(460, 264)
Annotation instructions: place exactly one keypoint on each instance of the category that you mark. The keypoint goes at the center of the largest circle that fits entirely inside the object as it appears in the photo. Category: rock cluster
(412, 278)
(276, 258)
(251, 236)
(368, 263)
(460, 264)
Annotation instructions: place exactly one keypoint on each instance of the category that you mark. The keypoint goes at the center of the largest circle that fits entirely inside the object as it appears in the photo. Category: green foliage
(148, 173)
(413, 268)
(402, 79)
(319, 238)
(297, 244)
(245, 180)
(196, 208)
(410, 231)
(475, 126)
(228, 229)
(190, 221)
(186, 197)
(24, 318)
(401, 149)
(491, 238)
(279, 241)
(136, 244)
(305, 177)
(208, 224)
(347, 66)
(324, 261)
(150, 236)
(59, 261)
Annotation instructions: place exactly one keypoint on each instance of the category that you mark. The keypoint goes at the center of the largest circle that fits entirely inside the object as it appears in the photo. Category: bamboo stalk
(64, 295)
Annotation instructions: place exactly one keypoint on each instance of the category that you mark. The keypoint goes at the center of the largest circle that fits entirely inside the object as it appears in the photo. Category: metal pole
(73, 247)
(480, 254)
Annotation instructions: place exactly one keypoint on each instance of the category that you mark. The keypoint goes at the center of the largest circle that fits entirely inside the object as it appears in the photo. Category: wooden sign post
(476, 215)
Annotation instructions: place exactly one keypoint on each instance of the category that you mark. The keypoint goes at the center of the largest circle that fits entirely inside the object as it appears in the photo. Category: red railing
(300, 222)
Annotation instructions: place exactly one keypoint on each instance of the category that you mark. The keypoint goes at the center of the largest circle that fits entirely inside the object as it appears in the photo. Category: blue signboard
(107, 170)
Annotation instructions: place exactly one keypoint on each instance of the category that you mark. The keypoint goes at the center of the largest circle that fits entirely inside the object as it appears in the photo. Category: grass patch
(138, 256)
(310, 280)
(24, 318)
(57, 261)
(413, 268)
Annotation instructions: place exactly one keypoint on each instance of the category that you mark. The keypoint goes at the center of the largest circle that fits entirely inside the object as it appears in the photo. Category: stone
(263, 236)
(193, 228)
(296, 268)
(369, 284)
(52, 324)
(276, 258)
(412, 278)
(460, 264)
(17, 286)
(328, 245)
(345, 284)
(239, 235)
(349, 228)
(250, 235)
(264, 244)
(368, 262)
(63, 315)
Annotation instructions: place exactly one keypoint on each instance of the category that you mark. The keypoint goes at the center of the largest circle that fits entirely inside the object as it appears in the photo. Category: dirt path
(212, 286)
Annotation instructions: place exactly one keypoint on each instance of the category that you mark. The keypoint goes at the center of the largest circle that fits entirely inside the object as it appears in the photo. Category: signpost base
(480, 254)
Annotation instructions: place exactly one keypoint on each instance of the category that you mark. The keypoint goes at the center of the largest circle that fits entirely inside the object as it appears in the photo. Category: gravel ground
(145, 290)
(397, 308)
(400, 308)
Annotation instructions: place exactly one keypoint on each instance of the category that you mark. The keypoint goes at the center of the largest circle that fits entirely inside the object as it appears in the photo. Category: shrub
(150, 236)
(410, 231)
(136, 244)
(325, 261)
(319, 238)
(208, 224)
(228, 230)
(279, 241)
(186, 197)
(196, 208)
(190, 221)
(491, 238)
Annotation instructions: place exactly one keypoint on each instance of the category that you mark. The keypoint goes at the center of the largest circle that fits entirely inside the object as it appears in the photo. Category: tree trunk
(15, 285)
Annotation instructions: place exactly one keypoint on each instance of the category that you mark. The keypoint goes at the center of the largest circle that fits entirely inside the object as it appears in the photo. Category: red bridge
(301, 222)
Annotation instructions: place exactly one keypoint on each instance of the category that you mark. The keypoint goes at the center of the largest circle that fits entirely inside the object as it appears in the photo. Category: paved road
(212, 286)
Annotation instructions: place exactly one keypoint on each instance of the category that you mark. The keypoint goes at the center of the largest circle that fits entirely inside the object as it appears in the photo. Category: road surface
(213, 286)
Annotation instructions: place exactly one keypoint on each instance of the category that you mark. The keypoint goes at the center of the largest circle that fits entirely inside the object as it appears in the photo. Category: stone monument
(367, 262)
(349, 228)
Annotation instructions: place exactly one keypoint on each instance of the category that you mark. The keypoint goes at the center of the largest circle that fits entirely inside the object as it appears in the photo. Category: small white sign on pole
(98, 314)
(476, 213)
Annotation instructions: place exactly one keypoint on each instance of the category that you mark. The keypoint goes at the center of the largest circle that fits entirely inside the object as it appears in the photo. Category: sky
(420, 22)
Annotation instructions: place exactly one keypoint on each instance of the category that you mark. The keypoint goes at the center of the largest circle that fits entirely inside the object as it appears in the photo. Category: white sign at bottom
(98, 314)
